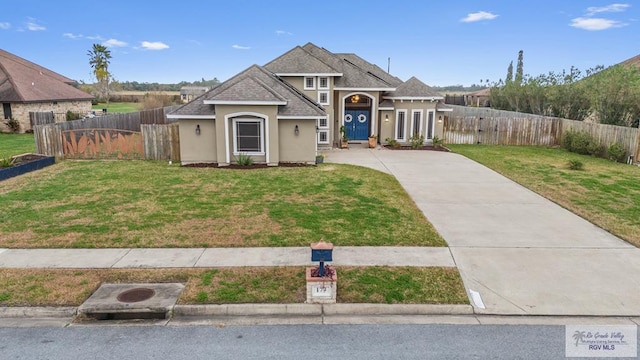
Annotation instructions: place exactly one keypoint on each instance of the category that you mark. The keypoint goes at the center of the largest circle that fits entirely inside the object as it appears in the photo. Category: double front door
(356, 124)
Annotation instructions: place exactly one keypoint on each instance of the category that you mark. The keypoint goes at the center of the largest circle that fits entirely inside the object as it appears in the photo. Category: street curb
(38, 312)
(396, 309)
(319, 309)
(248, 310)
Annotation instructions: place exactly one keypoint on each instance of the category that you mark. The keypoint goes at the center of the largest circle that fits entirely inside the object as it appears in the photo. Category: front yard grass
(117, 204)
(16, 144)
(70, 287)
(604, 192)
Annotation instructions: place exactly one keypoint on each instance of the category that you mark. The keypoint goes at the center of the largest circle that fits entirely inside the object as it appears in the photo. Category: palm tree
(578, 336)
(99, 57)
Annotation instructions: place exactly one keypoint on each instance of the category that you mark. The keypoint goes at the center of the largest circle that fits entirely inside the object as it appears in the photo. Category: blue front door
(356, 123)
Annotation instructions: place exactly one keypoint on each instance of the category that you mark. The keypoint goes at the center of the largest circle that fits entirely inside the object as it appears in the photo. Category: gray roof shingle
(24, 81)
(414, 88)
(254, 84)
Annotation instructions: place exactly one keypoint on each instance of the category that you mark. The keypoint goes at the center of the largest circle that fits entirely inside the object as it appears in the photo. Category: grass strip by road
(392, 285)
(122, 204)
(604, 192)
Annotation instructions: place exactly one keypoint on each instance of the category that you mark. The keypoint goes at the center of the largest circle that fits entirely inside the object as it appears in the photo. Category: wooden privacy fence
(468, 125)
(41, 118)
(161, 142)
(121, 136)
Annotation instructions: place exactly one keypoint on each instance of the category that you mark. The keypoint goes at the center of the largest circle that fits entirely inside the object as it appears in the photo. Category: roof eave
(308, 74)
(188, 117)
(364, 89)
(243, 102)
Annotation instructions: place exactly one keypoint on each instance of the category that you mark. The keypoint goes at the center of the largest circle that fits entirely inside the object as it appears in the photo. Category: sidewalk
(220, 257)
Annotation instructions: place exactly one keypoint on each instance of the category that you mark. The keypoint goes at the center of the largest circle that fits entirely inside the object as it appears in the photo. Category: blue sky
(440, 42)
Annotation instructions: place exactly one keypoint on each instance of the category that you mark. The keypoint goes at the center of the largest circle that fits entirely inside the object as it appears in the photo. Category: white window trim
(320, 82)
(319, 97)
(313, 87)
(323, 129)
(413, 112)
(235, 133)
(433, 124)
(405, 124)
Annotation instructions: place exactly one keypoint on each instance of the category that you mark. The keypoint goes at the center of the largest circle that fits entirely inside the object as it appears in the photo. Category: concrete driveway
(517, 252)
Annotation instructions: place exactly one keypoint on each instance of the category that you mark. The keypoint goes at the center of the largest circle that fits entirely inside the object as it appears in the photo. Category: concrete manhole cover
(136, 295)
(132, 301)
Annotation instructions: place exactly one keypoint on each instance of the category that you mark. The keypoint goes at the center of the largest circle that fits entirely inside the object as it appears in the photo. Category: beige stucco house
(27, 87)
(295, 105)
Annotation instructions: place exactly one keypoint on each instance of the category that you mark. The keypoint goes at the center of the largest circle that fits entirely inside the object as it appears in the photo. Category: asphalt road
(285, 342)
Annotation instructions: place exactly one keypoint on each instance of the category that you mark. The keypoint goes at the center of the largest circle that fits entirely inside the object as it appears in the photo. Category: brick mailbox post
(321, 280)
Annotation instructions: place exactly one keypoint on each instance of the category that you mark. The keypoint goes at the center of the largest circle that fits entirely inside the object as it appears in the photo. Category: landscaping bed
(22, 164)
(424, 147)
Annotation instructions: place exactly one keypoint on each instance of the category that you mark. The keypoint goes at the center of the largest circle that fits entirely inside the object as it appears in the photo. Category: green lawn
(401, 285)
(16, 144)
(604, 192)
(106, 204)
(118, 107)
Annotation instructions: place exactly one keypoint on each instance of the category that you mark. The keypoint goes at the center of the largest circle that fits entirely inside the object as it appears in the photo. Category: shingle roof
(371, 69)
(24, 81)
(353, 76)
(259, 85)
(414, 88)
(299, 61)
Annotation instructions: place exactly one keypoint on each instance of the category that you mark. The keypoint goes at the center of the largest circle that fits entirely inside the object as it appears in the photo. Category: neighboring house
(26, 87)
(478, 98)
(188, 93)
(296, 104)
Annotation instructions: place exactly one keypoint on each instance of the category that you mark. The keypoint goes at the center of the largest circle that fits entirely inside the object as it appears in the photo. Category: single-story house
(295, 105)
(188, 93)
(27, 87)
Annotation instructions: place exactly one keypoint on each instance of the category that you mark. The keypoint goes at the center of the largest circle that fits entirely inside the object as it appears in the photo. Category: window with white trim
(416, 122)
(323, 131)
(309, 83)
(248, 136)
(323, 83)
(401, 120)
(323, 97)
(430, 123)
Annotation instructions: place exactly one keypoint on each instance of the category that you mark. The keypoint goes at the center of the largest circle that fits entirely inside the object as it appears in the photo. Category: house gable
(24, 81)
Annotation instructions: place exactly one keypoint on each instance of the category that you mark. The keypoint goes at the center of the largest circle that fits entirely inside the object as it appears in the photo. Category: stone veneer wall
(20, 111)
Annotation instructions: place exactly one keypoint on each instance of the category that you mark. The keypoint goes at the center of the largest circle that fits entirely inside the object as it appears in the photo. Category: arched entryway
(357, 118)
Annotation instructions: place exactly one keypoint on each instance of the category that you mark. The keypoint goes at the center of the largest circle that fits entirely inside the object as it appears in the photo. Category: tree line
(100, 59)
(607, 96)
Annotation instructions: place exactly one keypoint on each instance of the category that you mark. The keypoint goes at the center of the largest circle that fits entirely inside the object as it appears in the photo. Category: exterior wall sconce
(297, 131)
(386, 118)
(198, 129)
(317, 129)
(440, 119)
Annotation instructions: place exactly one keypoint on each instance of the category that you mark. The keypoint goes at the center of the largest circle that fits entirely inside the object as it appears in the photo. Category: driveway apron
(517, 252)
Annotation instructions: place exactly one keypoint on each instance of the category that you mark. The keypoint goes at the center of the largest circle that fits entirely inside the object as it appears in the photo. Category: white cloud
(479, 16)
(97, 37)
(114, 43)
(154, 45)
(34, 26)
(595, 24)
(282, 32)
(4, 25)
(239, 47)
(72, 36)
(592, 10)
